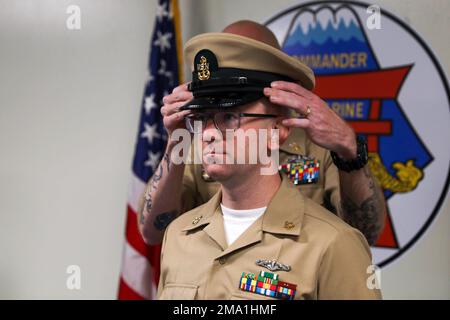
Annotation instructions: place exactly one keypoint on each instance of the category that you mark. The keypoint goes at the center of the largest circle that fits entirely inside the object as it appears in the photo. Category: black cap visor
(222, 101)
(230, 88)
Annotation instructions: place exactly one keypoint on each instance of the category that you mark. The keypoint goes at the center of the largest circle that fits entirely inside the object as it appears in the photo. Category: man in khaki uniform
(328, 258)
(291, 247)
(352, 194)
(198, 188)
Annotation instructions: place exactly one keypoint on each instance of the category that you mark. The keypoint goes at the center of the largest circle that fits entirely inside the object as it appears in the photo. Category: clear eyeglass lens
(227, 120)
(196, 123)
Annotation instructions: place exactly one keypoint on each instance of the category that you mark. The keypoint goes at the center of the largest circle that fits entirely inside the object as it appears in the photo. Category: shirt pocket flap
(250, 296)
(179, 291)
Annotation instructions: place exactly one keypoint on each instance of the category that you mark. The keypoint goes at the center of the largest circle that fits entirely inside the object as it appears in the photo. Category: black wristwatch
(360, 161)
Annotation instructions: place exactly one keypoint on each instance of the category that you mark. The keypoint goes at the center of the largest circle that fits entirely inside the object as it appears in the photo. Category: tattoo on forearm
(166, 158)
(365, 216)
(162, 220)
(153, 186)
(148, 207)
(141, 217)
(148, 195)
(148, 202)
(156, 177)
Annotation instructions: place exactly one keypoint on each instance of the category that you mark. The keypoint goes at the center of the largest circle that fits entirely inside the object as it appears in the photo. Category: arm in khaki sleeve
(344, 269)
(331, 185)
(162, 274)
(190, 193)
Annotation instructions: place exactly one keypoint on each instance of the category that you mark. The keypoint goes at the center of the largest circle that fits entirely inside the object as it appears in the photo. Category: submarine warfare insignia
(272, 265)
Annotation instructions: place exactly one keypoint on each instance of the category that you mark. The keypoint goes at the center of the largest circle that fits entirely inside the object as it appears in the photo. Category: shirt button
(222, 260)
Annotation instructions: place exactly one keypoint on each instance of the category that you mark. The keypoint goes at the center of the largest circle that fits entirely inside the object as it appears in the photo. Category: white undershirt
(237, 221)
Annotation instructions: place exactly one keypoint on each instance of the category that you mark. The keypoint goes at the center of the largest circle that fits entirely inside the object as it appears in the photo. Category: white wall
(69, 106)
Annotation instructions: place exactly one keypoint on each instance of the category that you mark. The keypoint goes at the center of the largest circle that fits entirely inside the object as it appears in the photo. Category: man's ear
(278, 136)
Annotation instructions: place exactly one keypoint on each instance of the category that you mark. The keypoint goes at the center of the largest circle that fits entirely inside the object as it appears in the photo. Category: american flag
(140, 262)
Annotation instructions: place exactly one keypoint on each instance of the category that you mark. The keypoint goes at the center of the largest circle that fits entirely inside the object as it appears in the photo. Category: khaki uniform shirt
(328, 258)
(326, 191)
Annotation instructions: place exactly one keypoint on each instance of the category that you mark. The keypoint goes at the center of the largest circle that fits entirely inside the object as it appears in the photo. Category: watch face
(360, 161)
(362, 154)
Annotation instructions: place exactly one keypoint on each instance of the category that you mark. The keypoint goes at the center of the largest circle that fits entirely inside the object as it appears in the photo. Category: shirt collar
(284, 213)
(295, 143)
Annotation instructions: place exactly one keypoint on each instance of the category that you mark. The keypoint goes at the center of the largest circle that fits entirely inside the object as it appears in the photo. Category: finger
(178, 116)
(292, 87)
(181, 87)
(178, 96)
(296, 122)
(169, 109)
(287, 99)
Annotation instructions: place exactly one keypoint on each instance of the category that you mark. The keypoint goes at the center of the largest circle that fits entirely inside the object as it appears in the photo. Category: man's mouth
(212, 151)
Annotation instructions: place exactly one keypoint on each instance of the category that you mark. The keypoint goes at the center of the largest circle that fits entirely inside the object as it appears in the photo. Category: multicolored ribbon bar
(267, 284)
(302, 170)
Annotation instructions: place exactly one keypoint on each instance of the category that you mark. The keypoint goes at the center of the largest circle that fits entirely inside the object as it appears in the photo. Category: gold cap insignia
(205, 64)
(203, 69)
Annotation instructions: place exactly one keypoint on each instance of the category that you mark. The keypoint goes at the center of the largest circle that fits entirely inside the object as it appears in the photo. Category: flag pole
(178, 37)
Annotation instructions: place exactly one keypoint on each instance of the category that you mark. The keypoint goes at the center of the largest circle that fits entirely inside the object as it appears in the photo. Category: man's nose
(210, 133)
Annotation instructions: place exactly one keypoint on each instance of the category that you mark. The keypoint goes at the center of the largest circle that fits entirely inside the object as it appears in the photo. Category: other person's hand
(172, 117)
(322, 125)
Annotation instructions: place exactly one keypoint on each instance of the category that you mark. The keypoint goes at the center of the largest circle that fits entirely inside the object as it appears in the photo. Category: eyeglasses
(223, 120)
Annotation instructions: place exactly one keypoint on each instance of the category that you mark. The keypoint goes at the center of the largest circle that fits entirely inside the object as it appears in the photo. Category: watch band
(359, 162)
